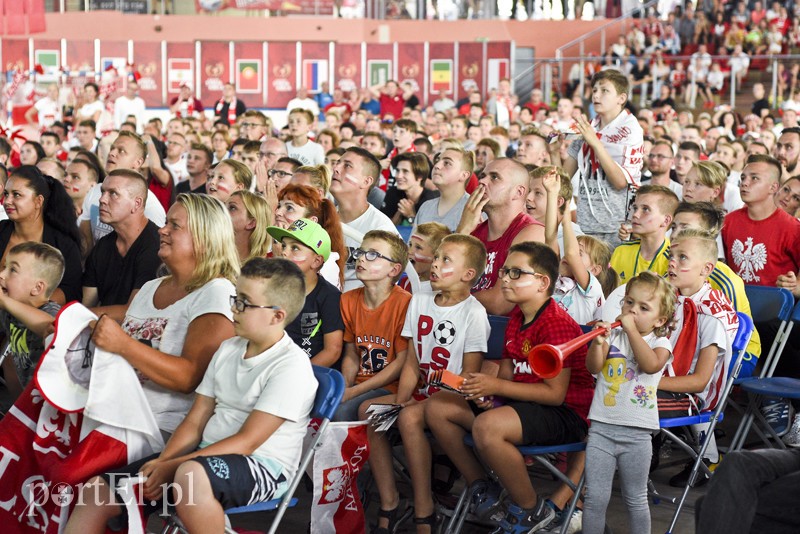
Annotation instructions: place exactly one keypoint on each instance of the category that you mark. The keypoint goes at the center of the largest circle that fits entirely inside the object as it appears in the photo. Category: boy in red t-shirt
(537, 411)
(762, 242)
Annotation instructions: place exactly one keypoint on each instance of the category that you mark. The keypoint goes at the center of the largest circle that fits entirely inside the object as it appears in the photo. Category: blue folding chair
(405, 232)
(738, 347)
(767, 304)
(329, 394)
(497, 337)
(765, 386)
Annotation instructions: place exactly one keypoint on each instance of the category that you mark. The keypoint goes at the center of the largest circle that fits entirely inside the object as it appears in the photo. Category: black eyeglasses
(515, 273)
(371, 255)
(240, 305)
(279, 174)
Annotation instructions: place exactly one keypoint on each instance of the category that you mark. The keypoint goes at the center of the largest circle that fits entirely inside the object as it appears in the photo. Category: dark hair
(92, 85)
(89, 123)
(712, 215)
(92, 158)
(420, 164)
(541, 258)
(769, 160)
(40, 154)
(423, 142)
(284, 281)
(692, 146)
(57, 209)
(5, 146)
(50, 134)
(200, 147)
(291, 161)
(371, 166)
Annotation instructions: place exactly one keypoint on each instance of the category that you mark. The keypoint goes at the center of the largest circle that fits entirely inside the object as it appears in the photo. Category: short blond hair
(398, 247)
(706, 242)
(434, 232)
(474, 252)
(49, 265)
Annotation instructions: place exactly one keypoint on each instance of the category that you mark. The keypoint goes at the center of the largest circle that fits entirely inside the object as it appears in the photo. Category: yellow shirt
(730, 283)
(627, 260)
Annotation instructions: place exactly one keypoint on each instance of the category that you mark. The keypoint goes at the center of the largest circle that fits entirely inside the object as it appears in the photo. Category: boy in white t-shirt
(301, 147)
(241, 441)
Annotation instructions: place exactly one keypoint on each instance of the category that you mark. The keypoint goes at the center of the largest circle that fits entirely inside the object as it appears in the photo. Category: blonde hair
(212, 238)
(319, 175)
(398, 247)
(474, 252)
(241, 172)
(565, 192)
(706, 242)
(711, 174)
(434, 232)
(49, 266)
(599, 253)
(663, 293)
(467, 156)
(257, 208)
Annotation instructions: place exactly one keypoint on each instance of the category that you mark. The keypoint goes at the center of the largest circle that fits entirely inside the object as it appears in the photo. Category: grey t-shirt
(24, 346)
(429, 212)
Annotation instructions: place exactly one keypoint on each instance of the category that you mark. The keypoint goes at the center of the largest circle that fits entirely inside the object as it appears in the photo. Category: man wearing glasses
(253, 126)
(175, 161)
(659, 163)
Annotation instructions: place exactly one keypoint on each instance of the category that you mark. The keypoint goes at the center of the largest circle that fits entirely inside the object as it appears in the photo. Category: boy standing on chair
(706, 325)
(537, 411)
(242, 439)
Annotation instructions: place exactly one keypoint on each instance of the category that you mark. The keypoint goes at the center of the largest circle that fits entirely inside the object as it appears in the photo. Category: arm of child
(409, 377)
(551, 392)
(350, 364)
(181, 374)
(472, 362)
(552, 183)
(598, 350)
(697, 381)
(384, 377)
(34, 319)
(331, 349)
(650, 360)
(614, 173)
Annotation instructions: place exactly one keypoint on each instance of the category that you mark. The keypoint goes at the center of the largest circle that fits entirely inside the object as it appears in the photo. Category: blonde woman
(251, 216)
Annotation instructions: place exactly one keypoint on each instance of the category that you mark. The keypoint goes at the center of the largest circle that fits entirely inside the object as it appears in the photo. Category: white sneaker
(792, 438)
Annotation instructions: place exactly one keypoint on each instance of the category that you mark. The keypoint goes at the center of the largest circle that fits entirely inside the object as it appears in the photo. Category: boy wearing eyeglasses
(535, 411)
(318, 329)
(373, 316)
(300, 147)
(242, 439)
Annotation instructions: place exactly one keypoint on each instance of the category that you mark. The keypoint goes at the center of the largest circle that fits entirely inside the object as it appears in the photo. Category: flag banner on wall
(179, 72)
(497, 69)
(315, 73)
(380, 71)
(441, 76)
(248, 75)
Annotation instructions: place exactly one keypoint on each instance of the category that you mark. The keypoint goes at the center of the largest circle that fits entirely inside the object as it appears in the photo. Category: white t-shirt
(441, 335)
(372, 219)
(153, 210)
(279, 382)
(310, 153)
(48, 111)
(165, 330)
(88, 110)
(330, 270)
(733, 198)
(624, 396)
(178, 170)
(579, 304)
(124, 106)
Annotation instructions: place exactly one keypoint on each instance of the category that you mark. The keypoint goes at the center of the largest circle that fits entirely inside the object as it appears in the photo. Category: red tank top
(497, 250)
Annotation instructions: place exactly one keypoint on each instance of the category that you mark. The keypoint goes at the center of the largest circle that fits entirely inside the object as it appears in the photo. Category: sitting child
(241, 441)
(538, 411)
(457, 264)
(425, 239)
(31, 273)
(318, 329)
(706, 324)
(373, 317)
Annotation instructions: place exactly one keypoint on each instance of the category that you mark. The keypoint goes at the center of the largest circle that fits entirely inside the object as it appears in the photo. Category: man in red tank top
(501, 196)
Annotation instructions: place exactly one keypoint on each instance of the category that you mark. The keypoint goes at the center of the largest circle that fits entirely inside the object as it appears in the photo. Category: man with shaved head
(501, 195)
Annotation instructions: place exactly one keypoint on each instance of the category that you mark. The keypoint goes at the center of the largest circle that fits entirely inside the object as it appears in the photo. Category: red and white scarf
(231, 109)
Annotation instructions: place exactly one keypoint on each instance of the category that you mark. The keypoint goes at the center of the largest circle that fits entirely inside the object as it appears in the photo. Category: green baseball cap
(307, 232)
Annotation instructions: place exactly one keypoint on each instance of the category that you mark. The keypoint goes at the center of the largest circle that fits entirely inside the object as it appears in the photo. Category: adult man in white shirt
(354, 175)
(129, 104)
(47, 108)
(175, 161)
(303, 101)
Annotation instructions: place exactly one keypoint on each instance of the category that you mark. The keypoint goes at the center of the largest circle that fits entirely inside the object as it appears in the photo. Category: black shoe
(681, 479)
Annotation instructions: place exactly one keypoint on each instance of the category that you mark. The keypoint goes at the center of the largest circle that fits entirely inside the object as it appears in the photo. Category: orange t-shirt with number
(376, 333)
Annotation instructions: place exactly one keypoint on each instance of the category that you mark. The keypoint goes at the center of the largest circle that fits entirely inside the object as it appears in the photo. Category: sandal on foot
(393, 516)
(431, 520)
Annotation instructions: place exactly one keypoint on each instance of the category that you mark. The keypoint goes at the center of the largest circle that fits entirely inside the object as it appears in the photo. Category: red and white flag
(339, 458)
(67, 426)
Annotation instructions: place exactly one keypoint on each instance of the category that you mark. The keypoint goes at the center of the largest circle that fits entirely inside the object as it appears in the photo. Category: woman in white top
(92, 108)
(174, 324)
